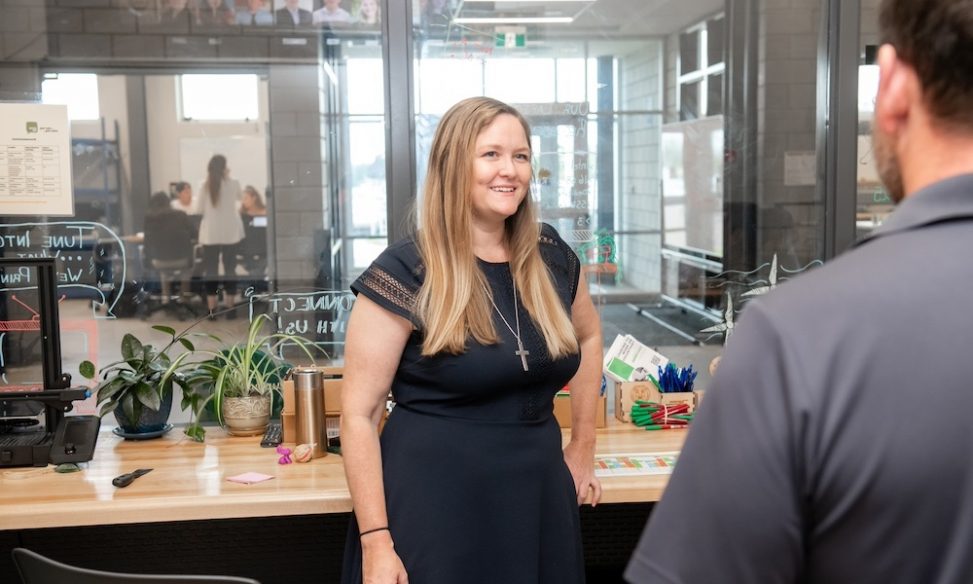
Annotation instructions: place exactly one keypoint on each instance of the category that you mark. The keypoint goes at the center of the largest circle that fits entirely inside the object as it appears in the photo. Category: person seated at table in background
(331, 14)
(183, 199)
(291, 15)
(369, 14)
(215, 13)
(252, 204)
(167, 244)
(253, 248)
(256, 13)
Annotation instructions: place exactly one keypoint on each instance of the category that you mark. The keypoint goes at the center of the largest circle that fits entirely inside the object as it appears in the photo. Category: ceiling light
(516, 20)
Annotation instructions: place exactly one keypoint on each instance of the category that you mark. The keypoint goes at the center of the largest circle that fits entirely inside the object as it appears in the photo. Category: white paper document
(629, 360)
(35, 160)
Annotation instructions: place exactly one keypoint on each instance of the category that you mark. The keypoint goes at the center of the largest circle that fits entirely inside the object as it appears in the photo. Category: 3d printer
(33, 428)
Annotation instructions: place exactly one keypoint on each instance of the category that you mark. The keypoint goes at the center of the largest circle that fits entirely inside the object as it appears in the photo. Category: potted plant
(138, 389)
(240, 380)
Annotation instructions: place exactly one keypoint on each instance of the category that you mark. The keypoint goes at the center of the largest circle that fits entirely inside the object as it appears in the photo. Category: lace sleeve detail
(561, 259)
(392, 282)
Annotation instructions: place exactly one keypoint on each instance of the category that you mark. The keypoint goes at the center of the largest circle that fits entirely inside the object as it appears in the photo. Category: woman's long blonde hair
(453, 302)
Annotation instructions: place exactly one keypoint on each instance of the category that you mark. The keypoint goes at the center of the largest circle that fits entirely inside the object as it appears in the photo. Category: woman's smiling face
(501, 169)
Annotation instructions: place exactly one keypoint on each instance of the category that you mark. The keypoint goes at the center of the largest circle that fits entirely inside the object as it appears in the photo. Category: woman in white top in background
(219, 231)
(184, 200)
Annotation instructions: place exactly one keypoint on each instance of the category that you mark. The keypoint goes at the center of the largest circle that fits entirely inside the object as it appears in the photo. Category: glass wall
(677, 149)
(873, 202)
(685, 196)
(291, 93)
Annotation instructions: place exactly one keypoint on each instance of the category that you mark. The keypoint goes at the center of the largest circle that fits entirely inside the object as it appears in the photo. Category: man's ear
(897, 91)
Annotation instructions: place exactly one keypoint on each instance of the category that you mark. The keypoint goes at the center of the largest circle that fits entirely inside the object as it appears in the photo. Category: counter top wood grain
(188, 481)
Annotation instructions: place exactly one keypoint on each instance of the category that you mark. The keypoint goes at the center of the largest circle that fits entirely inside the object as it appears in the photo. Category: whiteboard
(246, 156)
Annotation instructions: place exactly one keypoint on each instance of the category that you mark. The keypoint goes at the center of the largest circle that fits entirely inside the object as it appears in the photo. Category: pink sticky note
(248, 478)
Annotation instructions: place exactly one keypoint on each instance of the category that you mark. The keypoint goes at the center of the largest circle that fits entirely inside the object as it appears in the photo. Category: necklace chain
(521, 352)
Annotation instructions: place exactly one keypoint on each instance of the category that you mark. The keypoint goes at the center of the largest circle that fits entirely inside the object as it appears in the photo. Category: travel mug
(309, 410)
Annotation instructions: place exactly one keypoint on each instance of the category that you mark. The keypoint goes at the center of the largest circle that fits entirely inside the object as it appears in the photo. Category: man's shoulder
(811, 297)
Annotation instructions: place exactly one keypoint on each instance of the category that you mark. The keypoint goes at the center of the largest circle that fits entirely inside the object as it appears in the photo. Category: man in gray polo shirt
(836, 442)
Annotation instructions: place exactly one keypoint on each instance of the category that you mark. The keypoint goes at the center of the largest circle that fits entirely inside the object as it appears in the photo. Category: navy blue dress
(476, 486)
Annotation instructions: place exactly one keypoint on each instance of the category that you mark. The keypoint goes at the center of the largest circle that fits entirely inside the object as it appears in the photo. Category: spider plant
(245, 369)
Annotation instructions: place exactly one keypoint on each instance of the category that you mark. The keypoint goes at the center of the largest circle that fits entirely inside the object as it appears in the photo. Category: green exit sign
(511, 39)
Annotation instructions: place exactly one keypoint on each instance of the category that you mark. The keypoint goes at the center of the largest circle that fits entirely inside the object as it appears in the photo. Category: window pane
(601, 89)
(520, 80)
(366, 91)
(443, 82)
(569, 71)
(689, 106)
(714, 42)
(714, 93)
(219, 97)
(629, 156)
(689, 52)
(77, 91)
(298, 113)
(368, 197)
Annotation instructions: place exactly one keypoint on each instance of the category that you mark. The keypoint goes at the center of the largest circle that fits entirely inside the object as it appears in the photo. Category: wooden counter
(189, 481)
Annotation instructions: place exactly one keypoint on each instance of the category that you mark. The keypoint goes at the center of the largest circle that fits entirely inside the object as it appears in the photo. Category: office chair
(168, 253)
(37, 569)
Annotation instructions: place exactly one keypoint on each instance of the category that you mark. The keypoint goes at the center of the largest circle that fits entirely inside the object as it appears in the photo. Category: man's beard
(887, 162)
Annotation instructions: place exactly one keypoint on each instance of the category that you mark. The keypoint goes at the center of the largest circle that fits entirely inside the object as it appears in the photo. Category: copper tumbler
(309, 410)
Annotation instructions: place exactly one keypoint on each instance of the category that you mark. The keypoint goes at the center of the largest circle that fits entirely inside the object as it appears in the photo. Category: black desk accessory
(272, 436)
(24, 440)
(122, 481)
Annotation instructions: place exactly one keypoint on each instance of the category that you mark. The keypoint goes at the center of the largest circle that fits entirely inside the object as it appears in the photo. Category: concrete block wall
(869, 22)
(300, 203)
(639, 202)
(23, 43)
(124, 30)
(786, 114)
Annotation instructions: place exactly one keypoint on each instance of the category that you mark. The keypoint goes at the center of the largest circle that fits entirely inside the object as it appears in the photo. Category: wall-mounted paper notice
(800, 169)
(35, 160)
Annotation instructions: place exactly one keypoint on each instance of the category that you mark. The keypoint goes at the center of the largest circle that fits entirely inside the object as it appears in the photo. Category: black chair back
(37, 569)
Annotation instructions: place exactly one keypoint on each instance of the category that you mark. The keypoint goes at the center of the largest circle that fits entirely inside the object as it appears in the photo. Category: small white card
(249, 478)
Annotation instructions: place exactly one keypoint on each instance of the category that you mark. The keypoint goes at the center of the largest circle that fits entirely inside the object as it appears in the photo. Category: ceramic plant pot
(246, 416)
(149, 421)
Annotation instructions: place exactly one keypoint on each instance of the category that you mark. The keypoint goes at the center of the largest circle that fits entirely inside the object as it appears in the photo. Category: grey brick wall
(639, 194)
(300, 193)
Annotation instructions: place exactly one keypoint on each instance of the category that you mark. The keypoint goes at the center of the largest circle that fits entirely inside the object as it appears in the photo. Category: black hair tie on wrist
(364, 533)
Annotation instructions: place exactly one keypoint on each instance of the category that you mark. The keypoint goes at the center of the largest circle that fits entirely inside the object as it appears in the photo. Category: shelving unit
(97, 178)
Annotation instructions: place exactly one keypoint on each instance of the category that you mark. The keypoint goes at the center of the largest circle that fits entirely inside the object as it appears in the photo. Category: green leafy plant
(144, 375)
(248, 368)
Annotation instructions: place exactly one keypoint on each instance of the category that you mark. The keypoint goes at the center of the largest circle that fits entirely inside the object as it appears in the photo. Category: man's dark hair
(936, 38)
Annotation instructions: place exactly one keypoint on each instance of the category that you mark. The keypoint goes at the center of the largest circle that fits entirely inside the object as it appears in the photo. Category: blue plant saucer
(141, 435)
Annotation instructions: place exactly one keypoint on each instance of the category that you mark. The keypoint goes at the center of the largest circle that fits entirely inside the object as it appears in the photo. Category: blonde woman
(474, 324)
(369, 14)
